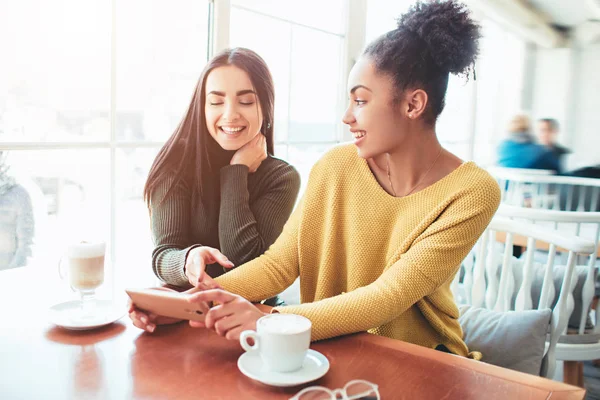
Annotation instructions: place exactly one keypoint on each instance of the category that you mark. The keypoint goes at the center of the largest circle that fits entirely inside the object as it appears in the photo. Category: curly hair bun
(448, 30)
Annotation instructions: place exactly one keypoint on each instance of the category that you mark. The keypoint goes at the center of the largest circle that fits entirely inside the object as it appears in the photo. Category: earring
(268, 125)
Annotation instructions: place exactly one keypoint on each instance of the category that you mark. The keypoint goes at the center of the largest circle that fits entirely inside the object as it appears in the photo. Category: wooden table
(38, 360)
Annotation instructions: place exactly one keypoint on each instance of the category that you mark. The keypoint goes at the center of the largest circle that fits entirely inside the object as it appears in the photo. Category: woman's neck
(219, 157)
(412, 166)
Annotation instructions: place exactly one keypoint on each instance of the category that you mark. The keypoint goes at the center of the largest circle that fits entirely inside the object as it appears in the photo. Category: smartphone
(167, 303)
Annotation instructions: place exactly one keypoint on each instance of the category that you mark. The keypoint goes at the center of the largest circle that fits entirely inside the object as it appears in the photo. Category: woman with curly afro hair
(386, 221)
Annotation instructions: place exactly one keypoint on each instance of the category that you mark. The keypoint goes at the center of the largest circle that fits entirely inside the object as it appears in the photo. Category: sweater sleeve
(247, 230)
(275, 270)
(170, 220)
(431, 261)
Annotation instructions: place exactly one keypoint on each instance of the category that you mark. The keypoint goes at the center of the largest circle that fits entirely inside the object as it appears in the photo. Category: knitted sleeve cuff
(173, 271)
(234, 183)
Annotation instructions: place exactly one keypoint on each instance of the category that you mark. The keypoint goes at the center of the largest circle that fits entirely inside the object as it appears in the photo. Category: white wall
(586, 108)
(552, 79)
(567, 88)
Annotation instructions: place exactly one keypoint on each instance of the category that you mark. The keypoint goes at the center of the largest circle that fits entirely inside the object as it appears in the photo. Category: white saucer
(315, 366)
(67, 315)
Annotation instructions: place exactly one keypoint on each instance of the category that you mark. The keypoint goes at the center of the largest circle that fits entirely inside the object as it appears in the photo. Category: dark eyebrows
(359, 87)
(216, 93)
(247, 91)
(239, 93)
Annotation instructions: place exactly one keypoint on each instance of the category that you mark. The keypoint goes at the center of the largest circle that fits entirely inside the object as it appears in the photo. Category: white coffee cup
(281, 340)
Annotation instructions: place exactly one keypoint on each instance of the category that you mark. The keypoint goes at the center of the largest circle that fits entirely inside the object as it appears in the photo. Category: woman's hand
(146, 320)
(233, 315)
(252, 154)
(197, 260)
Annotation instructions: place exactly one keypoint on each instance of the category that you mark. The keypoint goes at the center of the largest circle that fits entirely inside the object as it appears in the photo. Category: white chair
(582, 224)
(496, 170)
(568, 193)
(482, 288)
(582, 345)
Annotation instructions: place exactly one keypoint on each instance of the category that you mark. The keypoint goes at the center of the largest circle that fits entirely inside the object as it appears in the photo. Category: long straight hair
(186, 154)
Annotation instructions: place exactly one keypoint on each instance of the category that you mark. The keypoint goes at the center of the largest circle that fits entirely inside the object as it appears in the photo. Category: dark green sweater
(242, 222)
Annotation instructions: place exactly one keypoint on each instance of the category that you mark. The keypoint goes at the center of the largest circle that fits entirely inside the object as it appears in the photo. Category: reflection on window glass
(17, 221)
(69, 193)
(323, 15)
(55, 76)
(161, 50)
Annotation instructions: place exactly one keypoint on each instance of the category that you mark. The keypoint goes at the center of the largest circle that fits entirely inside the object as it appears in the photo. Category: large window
(90, 91)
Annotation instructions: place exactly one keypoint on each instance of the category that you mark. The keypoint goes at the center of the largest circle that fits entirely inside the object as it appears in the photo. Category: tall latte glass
(83, 267)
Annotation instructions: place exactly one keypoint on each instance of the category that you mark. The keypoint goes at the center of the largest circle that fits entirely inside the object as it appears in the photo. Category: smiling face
(374, 118)
(233, 113)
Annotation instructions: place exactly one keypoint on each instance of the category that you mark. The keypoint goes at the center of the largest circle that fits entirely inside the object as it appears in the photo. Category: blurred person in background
(547, 132)
(548, 129)
(520, 149)
(16, 220)
(216, 184)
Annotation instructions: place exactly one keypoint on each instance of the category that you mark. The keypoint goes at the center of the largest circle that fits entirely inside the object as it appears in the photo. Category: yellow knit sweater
(368, 261)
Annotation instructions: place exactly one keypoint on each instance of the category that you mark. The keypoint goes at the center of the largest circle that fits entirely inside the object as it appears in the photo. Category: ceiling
(567, 13)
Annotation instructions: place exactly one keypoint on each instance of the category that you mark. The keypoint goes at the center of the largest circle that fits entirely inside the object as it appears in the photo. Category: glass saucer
(68, 315)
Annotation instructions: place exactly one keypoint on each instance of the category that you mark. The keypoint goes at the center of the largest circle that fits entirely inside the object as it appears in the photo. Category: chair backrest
(496, 170)
(488, 280)
(547, 191)
(582, 224)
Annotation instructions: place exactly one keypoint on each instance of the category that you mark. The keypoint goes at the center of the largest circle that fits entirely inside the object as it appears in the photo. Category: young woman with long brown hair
(218, 197)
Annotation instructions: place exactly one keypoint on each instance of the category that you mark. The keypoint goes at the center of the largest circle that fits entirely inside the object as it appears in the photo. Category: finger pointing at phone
(230, 317)
(197, 260)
